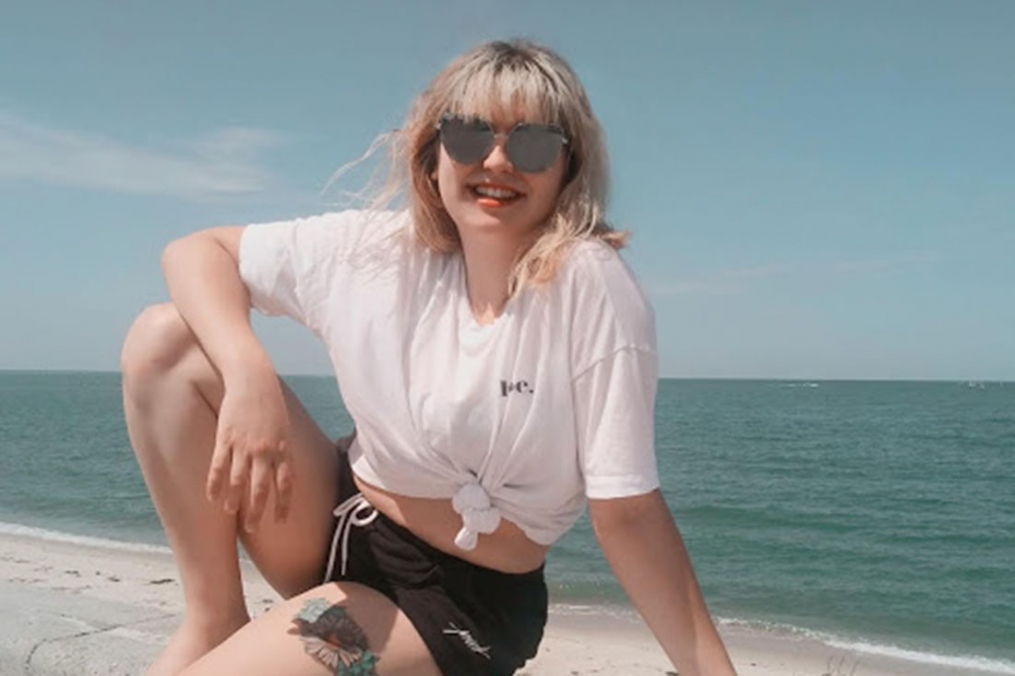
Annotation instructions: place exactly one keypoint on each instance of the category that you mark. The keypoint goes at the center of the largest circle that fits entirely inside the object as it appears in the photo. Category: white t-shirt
(523, 418)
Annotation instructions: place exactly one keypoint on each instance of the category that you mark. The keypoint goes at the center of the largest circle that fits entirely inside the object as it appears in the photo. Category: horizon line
(880, 379)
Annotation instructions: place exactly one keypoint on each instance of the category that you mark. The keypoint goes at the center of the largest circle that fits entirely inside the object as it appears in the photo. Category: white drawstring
(348, 514)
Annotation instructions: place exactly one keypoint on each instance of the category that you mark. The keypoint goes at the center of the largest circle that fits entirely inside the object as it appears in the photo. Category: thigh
(290, 554)
(343, 621)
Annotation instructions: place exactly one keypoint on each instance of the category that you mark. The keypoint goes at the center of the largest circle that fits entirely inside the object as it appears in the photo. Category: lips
(494, 194)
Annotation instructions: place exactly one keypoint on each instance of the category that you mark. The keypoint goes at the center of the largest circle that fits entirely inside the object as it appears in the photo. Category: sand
(80, 608)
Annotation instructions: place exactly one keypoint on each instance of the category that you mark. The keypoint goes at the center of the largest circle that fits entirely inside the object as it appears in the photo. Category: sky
(815, 190)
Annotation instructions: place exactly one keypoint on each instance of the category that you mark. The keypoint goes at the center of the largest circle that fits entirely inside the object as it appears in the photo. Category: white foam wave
(576, 609)
(58, 536)
(954, 661)
(974, 662)
(580, 610)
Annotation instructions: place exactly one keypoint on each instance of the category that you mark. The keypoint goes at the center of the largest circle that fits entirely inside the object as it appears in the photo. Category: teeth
(496, 193)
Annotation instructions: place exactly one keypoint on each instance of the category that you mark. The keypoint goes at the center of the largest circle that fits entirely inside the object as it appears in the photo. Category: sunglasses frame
(495, 136)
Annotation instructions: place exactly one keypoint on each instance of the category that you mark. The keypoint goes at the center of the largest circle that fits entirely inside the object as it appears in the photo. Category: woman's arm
(250, 456)
(204, 285)
(647, 554)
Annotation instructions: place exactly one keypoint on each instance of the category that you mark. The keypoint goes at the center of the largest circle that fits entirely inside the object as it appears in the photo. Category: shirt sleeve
(289, 267)
(614, 414)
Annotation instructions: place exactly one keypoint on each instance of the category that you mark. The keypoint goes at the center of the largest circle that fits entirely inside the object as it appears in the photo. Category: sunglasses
(530, 147)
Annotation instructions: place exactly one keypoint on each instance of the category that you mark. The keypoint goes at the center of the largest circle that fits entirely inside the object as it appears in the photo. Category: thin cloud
(224, 162)
(739, 280)
(889, 263)
(720, 283)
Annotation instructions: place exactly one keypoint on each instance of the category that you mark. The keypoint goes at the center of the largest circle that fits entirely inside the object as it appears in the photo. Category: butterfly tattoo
(332, 637)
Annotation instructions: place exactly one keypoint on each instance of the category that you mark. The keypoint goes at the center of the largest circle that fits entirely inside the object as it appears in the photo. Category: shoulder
(360, 224)
(325, 235)
(601, 280)
(608, 307)
(344, 222)
(599, 267)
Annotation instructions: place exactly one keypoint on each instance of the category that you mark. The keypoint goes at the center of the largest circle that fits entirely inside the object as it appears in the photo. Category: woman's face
(492, 197)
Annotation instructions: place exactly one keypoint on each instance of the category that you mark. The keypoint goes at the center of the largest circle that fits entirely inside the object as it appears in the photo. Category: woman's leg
(340, 620)
(171, 399)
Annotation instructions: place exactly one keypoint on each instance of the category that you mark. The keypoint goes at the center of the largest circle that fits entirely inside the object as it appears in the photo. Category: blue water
(879, 514)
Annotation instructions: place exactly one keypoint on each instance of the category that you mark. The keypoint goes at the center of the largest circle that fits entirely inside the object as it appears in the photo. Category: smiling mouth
(489, 195)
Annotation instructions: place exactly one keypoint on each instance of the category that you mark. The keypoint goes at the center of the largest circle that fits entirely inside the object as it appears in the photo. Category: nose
(497, 159)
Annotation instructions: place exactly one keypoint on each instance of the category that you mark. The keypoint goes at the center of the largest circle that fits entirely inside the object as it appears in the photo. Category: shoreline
(94, 606)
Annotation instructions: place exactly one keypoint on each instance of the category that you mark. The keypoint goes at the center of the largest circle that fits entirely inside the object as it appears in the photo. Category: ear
(435, 186)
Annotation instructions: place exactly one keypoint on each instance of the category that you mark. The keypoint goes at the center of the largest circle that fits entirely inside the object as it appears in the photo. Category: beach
(835, 528)
(75, 606)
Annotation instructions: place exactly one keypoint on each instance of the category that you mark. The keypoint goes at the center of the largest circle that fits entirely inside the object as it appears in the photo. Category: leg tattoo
(331, 636)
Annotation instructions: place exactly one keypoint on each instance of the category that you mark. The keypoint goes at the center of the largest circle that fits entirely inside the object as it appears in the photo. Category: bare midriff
(435, 521)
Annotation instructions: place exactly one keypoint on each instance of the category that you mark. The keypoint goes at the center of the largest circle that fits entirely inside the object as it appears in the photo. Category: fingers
(221, 461)
(260, 487)
(285, 477)
(238, 476)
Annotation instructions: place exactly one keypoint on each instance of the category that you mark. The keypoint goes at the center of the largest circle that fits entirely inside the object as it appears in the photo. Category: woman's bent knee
(157, 340)
(158, 337)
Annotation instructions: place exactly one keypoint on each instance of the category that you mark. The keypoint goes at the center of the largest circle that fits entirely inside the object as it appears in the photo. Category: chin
(479, 218)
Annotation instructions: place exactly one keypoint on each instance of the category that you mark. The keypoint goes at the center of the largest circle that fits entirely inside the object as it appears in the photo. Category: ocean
(877, 516)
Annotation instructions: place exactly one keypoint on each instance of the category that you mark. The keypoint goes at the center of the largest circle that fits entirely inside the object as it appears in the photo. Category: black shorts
(473, 619)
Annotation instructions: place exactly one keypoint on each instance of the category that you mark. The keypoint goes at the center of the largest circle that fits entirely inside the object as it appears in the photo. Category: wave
(954, 661)
(59, 536)
(860, 646)
(615, 611)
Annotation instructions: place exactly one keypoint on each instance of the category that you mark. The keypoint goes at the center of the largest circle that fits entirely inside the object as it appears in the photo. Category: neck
(488, 264)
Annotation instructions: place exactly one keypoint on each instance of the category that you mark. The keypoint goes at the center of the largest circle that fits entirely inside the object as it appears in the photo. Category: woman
(499, 362)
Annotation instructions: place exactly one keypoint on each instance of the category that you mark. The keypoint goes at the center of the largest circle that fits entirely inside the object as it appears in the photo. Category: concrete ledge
(50, 632)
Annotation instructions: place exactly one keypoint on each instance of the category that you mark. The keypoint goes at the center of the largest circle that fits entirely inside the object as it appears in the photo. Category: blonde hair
(494, 77)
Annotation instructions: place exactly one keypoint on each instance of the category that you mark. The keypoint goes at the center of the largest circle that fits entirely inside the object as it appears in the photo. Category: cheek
(549, 188)
(448, 181)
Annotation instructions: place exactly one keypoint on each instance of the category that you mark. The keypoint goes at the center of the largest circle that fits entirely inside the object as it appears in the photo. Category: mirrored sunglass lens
(466, 141)
(532, 148)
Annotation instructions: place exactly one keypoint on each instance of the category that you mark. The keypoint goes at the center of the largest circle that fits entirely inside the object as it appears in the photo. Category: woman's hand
(251, 453)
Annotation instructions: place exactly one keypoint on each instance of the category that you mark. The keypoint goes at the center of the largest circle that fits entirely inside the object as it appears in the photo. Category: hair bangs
(506, 92)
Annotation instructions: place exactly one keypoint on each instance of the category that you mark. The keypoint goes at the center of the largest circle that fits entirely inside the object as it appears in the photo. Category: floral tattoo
(331, 636)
